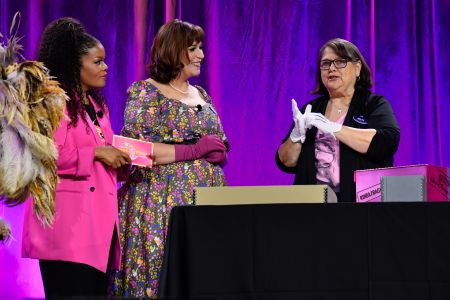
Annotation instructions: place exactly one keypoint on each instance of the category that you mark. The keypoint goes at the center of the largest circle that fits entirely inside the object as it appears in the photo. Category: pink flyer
(140, 152)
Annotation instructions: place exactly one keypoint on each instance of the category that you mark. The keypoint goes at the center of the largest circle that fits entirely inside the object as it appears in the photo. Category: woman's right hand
(112, 156)
(298, 133)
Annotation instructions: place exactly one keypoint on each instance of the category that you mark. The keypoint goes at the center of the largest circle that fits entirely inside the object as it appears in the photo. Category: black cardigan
(366, 111)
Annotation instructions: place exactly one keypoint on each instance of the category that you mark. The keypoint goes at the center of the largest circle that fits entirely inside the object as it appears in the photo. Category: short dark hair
(170, 43)
(63, 43)
(349, 51)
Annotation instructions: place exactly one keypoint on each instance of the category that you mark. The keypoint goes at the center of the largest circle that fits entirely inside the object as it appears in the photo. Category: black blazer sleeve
(381, 117)
(280, 165)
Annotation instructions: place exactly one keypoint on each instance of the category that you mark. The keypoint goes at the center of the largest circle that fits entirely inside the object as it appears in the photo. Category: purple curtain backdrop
(259, 55)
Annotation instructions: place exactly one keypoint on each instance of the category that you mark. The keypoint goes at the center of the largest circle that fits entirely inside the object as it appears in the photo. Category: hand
(216, 157)
(323, 124)
(112, 156)
(205, 145)
(298, 133)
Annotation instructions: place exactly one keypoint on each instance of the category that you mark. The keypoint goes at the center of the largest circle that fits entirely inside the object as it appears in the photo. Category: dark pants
(70, 280)
(63, 279)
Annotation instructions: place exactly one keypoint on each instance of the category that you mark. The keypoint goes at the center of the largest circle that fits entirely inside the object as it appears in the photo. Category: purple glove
(205, 145)
(216, 157)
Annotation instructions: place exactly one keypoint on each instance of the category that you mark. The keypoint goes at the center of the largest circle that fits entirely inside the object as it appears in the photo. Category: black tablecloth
(309, 251)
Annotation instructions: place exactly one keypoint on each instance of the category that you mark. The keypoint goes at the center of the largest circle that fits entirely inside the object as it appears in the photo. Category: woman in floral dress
(189, 148)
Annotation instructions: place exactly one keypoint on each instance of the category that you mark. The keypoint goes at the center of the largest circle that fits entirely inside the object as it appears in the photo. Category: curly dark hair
(349, 51)
(170, 43)
(62, 45)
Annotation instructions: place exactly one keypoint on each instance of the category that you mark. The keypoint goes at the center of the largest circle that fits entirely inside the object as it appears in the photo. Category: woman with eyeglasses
(346, 128)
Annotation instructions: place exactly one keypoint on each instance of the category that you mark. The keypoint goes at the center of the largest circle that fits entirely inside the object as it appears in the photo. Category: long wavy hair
(62, 45)
(170, 44)
(349, 51)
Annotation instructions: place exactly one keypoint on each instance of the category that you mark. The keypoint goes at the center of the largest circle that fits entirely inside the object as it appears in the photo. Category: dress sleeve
(141, 117)
(218, 129)
(221, 132)
(385, 142)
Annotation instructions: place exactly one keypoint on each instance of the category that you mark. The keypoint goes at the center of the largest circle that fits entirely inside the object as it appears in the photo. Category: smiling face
(93, 68)
(192, 63)
(339, 81)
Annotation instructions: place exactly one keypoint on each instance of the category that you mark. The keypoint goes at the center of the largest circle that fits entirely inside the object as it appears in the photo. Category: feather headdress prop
(31, 107)
(5, 231)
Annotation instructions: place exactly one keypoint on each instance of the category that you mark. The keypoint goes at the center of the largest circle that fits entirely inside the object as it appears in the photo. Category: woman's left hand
(112, 156)
(356, 138)
(323, 124)
(216, 157)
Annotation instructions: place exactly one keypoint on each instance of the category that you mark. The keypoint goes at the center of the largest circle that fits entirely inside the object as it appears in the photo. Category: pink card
(140, 152)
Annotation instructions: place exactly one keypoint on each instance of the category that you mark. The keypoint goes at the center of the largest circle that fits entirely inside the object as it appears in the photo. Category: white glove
(323, 124)
(298, 133)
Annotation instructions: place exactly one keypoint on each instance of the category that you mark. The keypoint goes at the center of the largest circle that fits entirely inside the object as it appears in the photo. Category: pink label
(370, 194)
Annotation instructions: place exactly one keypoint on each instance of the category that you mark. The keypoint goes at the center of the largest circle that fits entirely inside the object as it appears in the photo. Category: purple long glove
(217, 157)
(205, 145)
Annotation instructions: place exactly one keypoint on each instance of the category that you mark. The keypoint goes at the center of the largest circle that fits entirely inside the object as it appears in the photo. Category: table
(309, 251)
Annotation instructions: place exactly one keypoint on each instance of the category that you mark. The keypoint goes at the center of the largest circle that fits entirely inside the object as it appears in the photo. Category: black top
(91, 112)
(366, 111)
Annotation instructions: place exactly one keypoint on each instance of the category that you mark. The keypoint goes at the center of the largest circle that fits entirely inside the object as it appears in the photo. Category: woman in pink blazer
(82, 244)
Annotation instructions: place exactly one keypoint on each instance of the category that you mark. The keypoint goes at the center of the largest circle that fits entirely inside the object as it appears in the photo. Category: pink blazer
(86, 202)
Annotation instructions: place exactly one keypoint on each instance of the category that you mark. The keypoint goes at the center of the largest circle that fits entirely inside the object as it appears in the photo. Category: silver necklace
(339, 110)
(178, 90)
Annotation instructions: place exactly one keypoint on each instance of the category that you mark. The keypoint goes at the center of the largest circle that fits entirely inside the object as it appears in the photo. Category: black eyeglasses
(339, 63)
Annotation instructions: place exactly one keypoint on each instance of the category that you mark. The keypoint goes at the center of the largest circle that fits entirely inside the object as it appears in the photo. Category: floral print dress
(146, 199)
